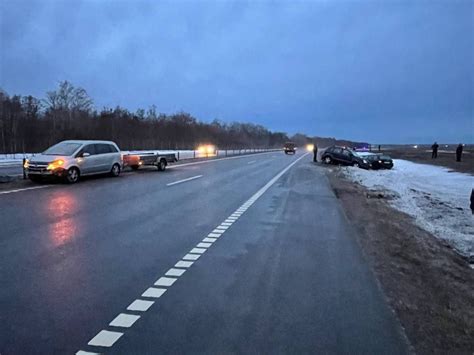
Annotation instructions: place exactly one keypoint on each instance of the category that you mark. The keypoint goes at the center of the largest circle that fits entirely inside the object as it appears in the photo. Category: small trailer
(141, 158)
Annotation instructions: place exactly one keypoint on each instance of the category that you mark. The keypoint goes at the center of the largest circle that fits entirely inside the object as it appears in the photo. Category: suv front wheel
(72, 175)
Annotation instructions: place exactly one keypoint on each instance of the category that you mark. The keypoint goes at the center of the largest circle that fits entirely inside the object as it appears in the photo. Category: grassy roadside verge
(429, 286)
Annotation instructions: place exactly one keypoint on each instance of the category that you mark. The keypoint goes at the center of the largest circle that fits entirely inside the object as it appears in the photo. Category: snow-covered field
(437, 198)
(12, 159)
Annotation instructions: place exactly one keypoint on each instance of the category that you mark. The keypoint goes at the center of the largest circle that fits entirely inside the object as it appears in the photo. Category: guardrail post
(178, 154)
(194, 154)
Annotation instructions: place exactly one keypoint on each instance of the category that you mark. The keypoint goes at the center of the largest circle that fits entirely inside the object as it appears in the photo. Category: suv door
(106, 157)
(336, 154)
(88, 164)
(346, 157)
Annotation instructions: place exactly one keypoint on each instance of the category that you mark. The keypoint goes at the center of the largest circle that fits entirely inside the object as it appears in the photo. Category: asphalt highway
(251, 254)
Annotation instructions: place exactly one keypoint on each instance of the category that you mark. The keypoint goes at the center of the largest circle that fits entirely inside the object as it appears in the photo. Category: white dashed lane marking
(25, 189)
(175, 272)
(204, 245)
(193, 257)
(154, 292)
(165, 281)
(184, 263)
(184, 180)
(106, 338)
(124, 320)
(140, 305)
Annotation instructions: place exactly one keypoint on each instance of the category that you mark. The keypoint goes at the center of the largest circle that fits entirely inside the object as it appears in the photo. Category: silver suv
(72, 159)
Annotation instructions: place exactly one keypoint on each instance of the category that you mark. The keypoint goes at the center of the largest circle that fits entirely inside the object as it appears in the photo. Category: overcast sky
(377, 71)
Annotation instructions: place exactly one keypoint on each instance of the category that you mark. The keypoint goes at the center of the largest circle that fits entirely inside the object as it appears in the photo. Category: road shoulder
(429, 285)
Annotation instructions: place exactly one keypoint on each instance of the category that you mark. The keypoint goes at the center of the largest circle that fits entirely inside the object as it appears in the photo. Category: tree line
(29, 124)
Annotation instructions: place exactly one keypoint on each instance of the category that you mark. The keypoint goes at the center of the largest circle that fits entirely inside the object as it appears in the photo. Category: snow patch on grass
(436, 197)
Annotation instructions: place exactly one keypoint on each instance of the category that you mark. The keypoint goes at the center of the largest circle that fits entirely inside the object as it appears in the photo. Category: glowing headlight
(26, 165)
(206, 149)
(365, 161)
(55, 164)
(309, 147)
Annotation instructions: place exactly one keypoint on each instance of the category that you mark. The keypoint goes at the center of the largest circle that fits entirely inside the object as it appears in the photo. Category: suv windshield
(62, 149)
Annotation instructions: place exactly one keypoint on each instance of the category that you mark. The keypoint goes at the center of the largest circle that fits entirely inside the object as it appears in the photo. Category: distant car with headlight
(289, 148)
(344, 156)
(75, 158)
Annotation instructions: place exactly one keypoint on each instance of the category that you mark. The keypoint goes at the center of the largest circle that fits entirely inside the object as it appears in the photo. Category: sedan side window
(346, 153)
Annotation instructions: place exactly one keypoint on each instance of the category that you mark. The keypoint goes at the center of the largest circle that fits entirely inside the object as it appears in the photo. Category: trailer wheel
(162, 165)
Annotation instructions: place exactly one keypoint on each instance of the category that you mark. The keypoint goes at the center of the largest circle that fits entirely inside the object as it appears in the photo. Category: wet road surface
(244, 255)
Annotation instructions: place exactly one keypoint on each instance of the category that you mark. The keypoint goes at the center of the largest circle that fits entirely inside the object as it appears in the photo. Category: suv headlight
(365, 161)
(26, 165)
(55, 164)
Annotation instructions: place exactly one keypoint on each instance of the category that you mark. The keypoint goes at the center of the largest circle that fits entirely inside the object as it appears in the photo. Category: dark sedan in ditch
(379, 161)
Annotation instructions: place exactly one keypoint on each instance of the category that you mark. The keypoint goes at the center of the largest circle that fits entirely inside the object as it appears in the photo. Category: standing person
(472, 201)
(315, 153)
(435, 147)
(459, 152)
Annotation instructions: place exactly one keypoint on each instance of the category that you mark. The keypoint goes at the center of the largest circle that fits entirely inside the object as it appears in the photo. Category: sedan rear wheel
(356, 165)
(327, 160)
